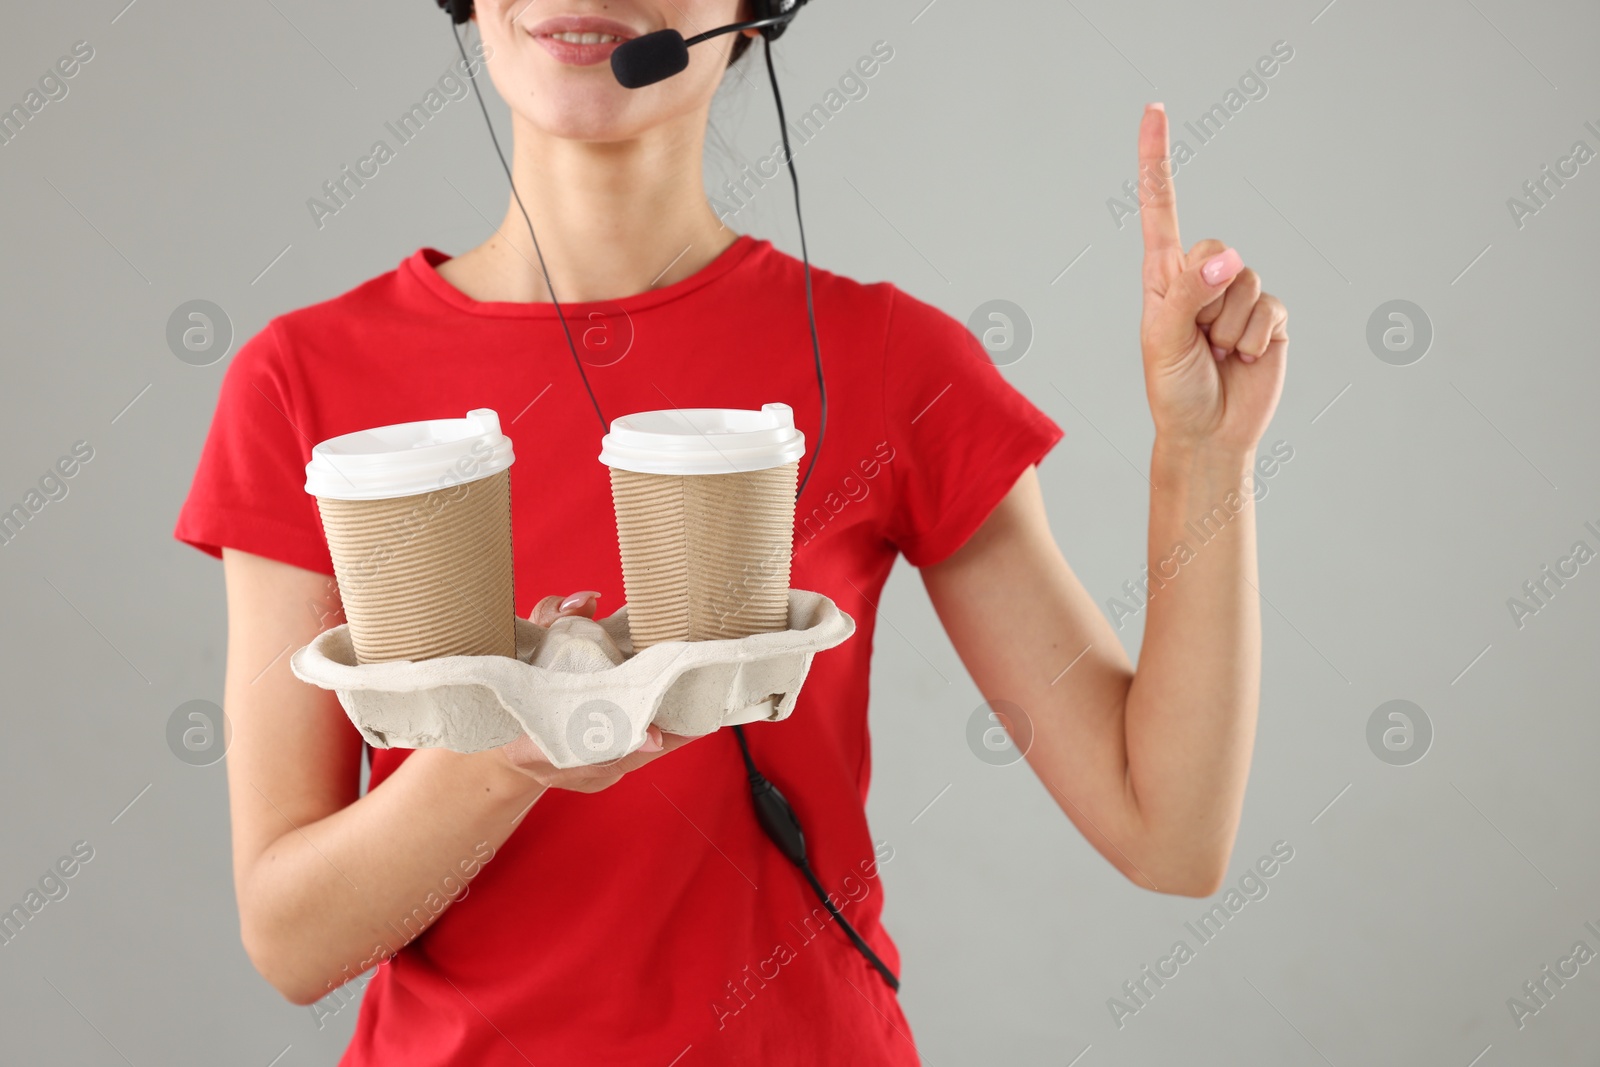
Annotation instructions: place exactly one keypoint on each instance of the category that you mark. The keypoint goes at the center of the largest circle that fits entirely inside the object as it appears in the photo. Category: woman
(636, 913)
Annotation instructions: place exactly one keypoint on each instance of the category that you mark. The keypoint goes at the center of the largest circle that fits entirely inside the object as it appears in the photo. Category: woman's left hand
(1214, 344)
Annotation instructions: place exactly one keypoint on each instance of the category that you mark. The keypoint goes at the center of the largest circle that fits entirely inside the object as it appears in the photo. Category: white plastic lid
(409, 458)
(703, 440)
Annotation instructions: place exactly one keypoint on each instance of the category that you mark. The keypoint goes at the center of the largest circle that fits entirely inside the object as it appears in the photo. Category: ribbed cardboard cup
(424, 574)
(427, 575)
(705, 556)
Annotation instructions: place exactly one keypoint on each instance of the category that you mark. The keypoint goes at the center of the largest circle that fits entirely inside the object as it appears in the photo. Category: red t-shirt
(653, 922)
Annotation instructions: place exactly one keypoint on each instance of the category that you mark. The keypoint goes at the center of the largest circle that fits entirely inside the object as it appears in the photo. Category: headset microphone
(658, 56)
(649, 59)
(645, 61)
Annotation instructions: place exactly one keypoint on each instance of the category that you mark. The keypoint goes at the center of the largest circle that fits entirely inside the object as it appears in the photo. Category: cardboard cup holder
(577, 688)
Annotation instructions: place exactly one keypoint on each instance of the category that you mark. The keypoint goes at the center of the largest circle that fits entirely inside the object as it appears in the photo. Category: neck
(613, 219)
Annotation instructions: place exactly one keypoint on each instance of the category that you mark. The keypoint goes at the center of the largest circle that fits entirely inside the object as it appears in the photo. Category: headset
(637, 63)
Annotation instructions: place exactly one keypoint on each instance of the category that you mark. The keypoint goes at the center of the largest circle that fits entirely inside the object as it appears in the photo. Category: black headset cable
(549, 285)
(773, 811)
(778, 819)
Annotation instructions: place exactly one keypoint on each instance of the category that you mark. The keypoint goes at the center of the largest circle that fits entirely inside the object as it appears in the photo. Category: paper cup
(705, 502)
(418, 521)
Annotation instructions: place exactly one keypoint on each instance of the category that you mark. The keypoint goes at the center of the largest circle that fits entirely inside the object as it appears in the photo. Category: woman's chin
(601, 118)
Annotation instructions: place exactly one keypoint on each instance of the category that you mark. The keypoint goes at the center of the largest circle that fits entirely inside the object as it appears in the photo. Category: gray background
(979, 166)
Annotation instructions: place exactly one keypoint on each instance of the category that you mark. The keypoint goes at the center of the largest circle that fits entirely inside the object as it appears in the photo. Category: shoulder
(903, 317)
(383, 296)
(314, 332)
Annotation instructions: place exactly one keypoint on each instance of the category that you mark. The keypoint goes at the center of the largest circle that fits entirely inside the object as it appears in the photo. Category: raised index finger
(1158, 204)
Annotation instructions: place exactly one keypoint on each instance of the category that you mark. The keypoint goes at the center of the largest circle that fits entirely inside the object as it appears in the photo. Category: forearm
(331, 898)
(1191, 708)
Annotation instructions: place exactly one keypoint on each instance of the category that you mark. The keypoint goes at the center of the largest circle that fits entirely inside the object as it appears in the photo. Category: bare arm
(1149, 765)
(329, 882)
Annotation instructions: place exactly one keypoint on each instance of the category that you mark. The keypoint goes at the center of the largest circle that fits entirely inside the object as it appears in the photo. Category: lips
(581, 41)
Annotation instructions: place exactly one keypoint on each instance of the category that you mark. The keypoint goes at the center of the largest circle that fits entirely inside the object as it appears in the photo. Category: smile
(581, 41)
(585, 38)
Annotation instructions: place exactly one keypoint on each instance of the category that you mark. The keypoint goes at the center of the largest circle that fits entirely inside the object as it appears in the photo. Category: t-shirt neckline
(422, 266)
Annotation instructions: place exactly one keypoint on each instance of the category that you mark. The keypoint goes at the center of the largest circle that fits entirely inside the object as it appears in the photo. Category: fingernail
(1221, 267)
(1247, 357)
(576, 600)
(652, 742)
(1218, 351)
(1159, 106)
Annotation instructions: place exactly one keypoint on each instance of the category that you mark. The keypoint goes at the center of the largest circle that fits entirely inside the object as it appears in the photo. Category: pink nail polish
(577, 600)
(1221, 267)
(1219, 351)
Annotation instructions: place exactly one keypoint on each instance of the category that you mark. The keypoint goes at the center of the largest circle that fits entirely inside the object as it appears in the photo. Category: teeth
(585, 38)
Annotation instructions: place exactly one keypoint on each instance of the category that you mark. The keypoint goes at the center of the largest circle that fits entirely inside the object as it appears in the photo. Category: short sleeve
(248, 491)
(962, 435)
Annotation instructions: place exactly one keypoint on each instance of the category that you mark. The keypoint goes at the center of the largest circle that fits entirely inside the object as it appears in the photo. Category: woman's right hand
(524, 757)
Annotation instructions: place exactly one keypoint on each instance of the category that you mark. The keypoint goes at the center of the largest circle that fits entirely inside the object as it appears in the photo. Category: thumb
(1202, 283)
(554, 607)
